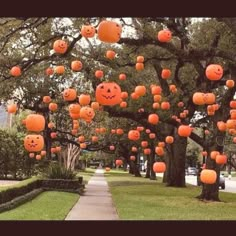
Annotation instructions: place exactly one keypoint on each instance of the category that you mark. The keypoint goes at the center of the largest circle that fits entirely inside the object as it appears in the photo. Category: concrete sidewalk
(96, 203)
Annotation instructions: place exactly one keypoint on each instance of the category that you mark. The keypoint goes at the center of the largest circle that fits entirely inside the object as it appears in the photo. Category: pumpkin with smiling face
(88, 31)
(87, 113)
(109, 31)
(108, 93)
(34, 142)
(69, 94)
(60, 46)
(214, 72)
(134, 135)
(74, 108)
(76, 65)
(35, 122)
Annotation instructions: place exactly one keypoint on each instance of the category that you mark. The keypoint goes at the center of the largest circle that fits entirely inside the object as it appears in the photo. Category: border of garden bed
(15, 196)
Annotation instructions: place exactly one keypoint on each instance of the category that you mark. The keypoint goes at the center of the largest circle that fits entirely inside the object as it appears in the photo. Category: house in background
(4, 117)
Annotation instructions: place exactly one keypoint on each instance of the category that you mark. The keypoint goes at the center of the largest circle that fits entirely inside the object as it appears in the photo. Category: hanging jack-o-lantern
(15, 71)
(60, 46)
(159, 151)
(52, 106)
(165, 74)
(109, 31)
(214, 72)
(184, 130)
(47, 99)
(108, 93)
(110, 54)
(76, 65)
(198, 98)
(49, 71)
(74, 108)
(230, 83)
(153, 119)
(12, 108)
(169, 139)
(95, 106)
(84, 99)
(122, 76)
(132, 158)
(159, 167)
(164, 36)
(208, 176)
(35, 122)
(87, 113)
(34, 142)
(119, 162)
(99, 74)
(134, 135)
(69, 94)
(88, 31)
(140, 90)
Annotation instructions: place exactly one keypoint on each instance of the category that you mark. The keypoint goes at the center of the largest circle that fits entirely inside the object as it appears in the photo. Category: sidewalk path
(96, 203)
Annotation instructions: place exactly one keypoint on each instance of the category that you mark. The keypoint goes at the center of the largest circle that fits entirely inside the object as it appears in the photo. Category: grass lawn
(19, 184)
(50, 205)
(87, 174)
(143, 199)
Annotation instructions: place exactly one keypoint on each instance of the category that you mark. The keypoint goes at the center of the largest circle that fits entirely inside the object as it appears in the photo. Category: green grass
(19, 184)
(86, 174)
(143, 199)
(50, 205)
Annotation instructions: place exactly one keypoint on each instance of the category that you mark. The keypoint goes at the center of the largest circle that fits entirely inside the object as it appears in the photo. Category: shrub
(55, 171)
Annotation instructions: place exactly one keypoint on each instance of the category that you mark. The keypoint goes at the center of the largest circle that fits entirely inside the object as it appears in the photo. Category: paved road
(230, 184)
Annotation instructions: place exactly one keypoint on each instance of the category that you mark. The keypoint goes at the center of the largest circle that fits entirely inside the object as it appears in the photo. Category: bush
(55, 171)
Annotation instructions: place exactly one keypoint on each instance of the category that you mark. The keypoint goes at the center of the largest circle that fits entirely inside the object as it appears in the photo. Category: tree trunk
(176, 167)
(148, 174)
(152, 161)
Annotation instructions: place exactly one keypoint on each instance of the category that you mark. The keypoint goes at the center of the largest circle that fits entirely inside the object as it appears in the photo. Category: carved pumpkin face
(88, 31)
(34, 143)
(134, 135)
(74, 108)
(87, 113)
(69, 94)
(60, 46)
(108, 94)
(214, 72)
(109, 32)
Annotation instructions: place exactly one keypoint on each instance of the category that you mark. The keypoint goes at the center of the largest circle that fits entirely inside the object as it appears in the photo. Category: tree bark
(175, 175)
(152, 161)
(148, 174)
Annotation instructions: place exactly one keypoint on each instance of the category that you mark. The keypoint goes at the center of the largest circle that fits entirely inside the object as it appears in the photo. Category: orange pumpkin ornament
(110, 54)
(87, 113)
(34, 142)
(11, 109)
(198, 98)
(124, 95)
(153, 119)
(159, 151)
(35, 122)
(109, 31)
(140, 90)
(15, 71)
(140, 59)
(88, 31)
(76, 65)
(214, 72)
(99, 74)
(84, 99)
(144, 144)
(152, 135)
(230, 83)
(184, 130)
(60, 46)
(132, 158)
(164, 36)
(169, 139)
(221, 159)
(108, 93)
(52, 106)
(119, 162)
(134, 149)
(134, 135)
(134, 96)
(59, 70)
(139, 66)
(43, 153)
(214, 154)
(122, 77)
(49, 71)
(69, 94)
(119, 131)
(46, 99)
(208, 176)
(165, 74)
(147, 151)
(74, 108)
(159, 167)
(95, 106)
(165, 105)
